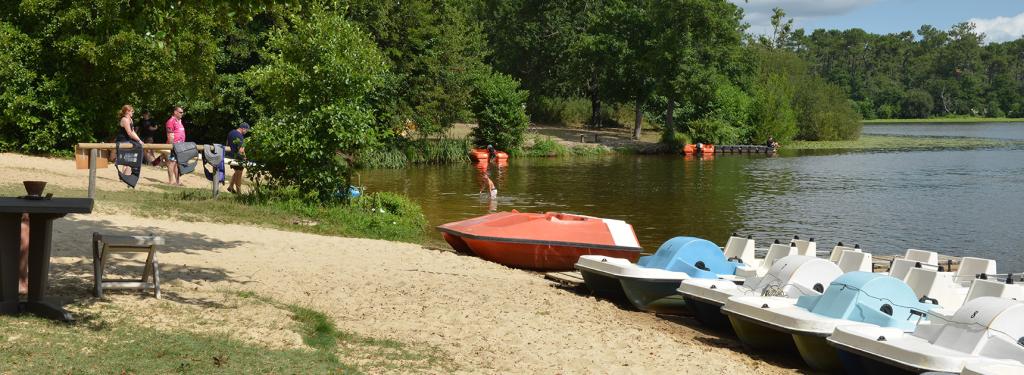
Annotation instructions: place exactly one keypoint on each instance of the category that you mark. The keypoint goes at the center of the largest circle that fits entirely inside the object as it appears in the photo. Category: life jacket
(131, 158)
(185, 152)
(213, 155)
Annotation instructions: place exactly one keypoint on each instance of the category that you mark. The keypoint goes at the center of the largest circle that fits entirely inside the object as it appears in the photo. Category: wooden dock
(566, 278)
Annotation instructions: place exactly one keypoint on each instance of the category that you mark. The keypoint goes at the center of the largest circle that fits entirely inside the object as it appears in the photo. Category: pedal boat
(987, 330)
(650, 284)
(549, 241)
(854, 298)
(793, 276)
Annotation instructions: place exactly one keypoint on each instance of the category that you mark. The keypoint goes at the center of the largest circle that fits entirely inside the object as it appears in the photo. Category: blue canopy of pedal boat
(870, 298)
(696, 257)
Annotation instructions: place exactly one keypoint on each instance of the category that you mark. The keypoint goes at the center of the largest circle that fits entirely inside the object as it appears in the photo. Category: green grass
(30, 345)
(104, 342)
(943, 120)
(884, 142)
(548, 147)
(356, 220)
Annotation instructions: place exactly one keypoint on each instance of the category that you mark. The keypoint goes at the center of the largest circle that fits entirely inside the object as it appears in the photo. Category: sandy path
(62, 172)
(484, 317)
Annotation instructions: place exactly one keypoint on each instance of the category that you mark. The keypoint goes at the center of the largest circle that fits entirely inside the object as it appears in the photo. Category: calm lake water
(957, 202)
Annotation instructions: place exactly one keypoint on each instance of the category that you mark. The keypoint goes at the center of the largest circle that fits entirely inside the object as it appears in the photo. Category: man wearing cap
(235, 157)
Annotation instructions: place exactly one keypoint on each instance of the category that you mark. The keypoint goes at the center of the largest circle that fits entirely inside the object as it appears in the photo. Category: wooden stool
(105, 245)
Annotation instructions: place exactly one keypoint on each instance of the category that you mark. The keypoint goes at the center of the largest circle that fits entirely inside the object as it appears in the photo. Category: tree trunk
(595, 109)
(639, 118)
(669, 127)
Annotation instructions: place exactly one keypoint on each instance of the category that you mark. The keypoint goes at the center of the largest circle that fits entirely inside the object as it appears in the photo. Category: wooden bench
(104, 246)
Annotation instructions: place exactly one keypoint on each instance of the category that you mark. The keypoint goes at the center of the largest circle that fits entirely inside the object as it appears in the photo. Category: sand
(480, 316)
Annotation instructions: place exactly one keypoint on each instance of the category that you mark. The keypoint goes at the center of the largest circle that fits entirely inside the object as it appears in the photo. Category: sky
(1000, 20)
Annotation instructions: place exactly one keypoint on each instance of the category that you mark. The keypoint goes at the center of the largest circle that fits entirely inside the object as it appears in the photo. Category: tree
(312, 88)
(499, 105)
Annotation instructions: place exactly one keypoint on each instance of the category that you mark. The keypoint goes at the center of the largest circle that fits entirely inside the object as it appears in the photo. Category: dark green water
(957, 202)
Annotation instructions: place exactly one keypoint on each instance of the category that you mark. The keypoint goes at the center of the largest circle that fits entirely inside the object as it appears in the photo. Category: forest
(328, 82)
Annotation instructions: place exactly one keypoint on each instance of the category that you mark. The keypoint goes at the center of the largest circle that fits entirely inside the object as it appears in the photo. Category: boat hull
(654, 295)
(603, 286)
(539, 256)
(817, 353)
(856, 364)
(758, 337)
(708, 313)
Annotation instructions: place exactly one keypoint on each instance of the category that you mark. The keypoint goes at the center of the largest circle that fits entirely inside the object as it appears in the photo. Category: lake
(957, 202)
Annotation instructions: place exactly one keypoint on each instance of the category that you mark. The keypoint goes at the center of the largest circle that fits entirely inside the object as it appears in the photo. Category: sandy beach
(480, 316)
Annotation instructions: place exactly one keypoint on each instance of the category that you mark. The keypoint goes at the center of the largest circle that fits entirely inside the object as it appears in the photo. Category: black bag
(213, 155)
(184, 152)
(131, 158)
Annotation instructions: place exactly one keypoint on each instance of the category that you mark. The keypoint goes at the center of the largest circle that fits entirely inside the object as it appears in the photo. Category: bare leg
(172, 172)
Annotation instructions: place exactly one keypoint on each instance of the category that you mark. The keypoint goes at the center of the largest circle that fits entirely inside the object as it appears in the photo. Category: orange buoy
(689, 149)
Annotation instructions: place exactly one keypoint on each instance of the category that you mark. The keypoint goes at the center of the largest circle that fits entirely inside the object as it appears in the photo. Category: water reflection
(959, 202)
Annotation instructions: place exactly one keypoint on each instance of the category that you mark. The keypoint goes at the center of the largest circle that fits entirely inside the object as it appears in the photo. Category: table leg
(10, 244)
(41, 235)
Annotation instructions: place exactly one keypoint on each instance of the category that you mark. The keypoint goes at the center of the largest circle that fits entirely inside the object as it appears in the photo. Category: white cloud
(758, 13)
(1000, 29)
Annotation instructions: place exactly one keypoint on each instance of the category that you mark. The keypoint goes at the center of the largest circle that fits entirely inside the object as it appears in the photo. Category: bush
(560, 111)
(714, 131)
(546, 146)
(823, 112)
(499, 107)
(315, 119)
(917, 103)
(771, 112)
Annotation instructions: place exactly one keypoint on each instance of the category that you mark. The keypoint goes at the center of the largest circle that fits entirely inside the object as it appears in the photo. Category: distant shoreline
(959, 120)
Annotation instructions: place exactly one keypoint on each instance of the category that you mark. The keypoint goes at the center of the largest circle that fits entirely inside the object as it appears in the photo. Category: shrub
(498, 104)
(391, 203)
(546, 146)
(313, 103)
(823, 112)
(771, 113)
(560, 111)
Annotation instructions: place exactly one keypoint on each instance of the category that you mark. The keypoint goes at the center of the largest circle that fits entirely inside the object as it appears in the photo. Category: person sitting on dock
(772, 144)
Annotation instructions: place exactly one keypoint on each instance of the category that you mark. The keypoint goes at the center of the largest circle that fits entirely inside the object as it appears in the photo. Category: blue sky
(1000, 20)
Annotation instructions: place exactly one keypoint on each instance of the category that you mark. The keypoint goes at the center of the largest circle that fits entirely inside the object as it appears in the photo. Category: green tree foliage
(435, 53)
(940, 73)
(771, 111)
(314, 116)
(499, 105)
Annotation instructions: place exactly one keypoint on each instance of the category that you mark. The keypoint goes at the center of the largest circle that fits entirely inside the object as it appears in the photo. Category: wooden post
(93, 154)
(215, 183)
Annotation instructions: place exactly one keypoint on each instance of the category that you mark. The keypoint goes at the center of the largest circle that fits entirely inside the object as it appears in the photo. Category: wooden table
(41, 216)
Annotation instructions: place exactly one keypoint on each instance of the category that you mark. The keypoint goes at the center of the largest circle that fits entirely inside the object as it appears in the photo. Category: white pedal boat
(853, 298)
(792, 277)
(985, 332)
(651, 283)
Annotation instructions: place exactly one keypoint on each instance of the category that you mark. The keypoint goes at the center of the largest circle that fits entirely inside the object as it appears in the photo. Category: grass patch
(942, 120)
(886, 142)
(379, 215)
(31, 345)
(319, 332)
(549, 147)
(108, 341)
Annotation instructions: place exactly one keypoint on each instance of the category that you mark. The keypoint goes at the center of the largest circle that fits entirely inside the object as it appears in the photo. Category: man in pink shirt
(175, 134)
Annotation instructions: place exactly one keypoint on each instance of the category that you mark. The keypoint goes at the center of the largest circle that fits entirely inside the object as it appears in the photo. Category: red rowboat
(548, 241)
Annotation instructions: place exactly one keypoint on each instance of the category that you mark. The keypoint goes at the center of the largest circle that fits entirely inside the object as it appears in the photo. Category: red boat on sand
(548, 241)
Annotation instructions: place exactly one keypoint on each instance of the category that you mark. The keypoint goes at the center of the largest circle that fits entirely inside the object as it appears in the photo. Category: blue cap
(243, 125)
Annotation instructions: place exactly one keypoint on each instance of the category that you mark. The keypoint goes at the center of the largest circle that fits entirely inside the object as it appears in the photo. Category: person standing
(236, 156)
(125, 131)
(175, 134)
(147, 131)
